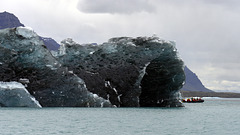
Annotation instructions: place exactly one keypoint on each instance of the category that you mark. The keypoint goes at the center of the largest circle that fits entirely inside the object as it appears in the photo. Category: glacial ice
(14, 94)
(143, 70)
(24, 56)
(123, 72)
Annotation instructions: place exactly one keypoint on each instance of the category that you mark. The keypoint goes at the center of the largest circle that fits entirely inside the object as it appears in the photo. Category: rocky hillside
(8, 20)
(193, 83)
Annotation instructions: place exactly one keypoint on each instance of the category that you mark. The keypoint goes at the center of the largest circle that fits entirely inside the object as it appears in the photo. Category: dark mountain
(192, 82)
(50, 43)
(8, 20)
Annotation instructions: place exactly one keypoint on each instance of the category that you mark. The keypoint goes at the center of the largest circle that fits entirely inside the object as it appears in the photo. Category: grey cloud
(115, 6)
(227, 3)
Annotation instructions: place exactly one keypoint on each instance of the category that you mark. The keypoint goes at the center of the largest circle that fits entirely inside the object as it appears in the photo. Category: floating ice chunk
(14, 94)
(26, 32)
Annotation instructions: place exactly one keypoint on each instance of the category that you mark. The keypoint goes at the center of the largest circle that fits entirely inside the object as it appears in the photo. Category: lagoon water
(213, 117)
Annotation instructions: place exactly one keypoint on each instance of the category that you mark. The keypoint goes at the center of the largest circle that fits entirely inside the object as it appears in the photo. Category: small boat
(193, 100)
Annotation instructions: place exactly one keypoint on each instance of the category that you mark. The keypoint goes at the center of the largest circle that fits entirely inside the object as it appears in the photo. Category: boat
(193, 100)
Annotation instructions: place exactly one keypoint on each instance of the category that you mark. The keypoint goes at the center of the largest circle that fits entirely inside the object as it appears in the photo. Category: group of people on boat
(193, 100)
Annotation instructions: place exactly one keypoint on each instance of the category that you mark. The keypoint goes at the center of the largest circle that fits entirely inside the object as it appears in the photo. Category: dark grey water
(213, 117)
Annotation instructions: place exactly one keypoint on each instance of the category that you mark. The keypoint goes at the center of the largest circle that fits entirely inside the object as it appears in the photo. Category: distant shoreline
(209, 94)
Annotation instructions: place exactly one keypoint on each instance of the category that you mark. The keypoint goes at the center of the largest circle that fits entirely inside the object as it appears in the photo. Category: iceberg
(130, 72)
(25, 59)
(123, 72)
(14, 94)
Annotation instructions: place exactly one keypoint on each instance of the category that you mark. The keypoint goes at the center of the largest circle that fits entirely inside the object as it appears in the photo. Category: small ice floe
(14, 94)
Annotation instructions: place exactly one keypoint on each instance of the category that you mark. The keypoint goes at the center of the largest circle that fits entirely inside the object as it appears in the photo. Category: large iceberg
(14, 94)
(130, 72)
(23, 56)
(123, 72)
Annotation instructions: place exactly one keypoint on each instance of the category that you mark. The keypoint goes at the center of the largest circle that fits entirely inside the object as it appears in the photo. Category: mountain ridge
(9, 20)
(193, 83)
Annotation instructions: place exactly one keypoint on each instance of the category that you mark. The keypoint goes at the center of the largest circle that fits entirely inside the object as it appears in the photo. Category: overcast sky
(206, 31)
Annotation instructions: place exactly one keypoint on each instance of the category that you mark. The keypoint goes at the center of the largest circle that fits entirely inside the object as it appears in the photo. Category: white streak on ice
(115, 90)
(119, 98)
